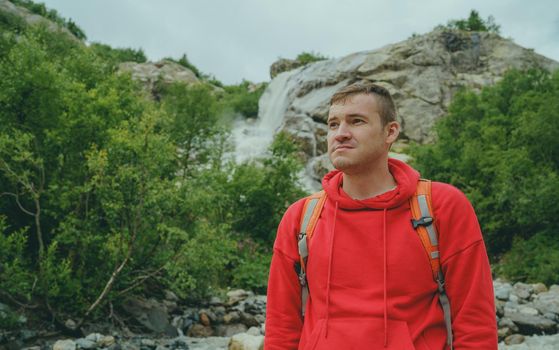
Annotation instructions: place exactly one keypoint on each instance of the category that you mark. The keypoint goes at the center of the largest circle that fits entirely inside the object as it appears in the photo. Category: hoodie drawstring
(385, 268)
(330, 270)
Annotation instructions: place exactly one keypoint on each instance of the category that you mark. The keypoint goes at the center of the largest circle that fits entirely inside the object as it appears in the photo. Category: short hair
(386, 104)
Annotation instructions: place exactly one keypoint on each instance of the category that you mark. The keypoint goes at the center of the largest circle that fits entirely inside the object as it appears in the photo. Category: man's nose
(342, 133)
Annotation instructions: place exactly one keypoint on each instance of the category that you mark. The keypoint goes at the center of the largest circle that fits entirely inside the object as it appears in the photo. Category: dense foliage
(243, 98)
(310, 57)
(51, 14)
(474, 23)
(104, 192)
(501, 147)
(118, 55)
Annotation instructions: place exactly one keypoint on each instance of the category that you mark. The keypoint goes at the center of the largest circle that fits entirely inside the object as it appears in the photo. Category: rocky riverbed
(527, 316)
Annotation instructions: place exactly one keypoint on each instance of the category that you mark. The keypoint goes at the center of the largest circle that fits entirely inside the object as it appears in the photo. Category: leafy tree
(192, 124)
(243, 98)
(501, 148)
(41, 10)
(474, 23)
(310, 57)
(260, 193)
(118, 55)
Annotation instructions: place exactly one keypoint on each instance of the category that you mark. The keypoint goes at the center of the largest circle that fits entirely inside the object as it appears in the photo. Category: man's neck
(363, 185)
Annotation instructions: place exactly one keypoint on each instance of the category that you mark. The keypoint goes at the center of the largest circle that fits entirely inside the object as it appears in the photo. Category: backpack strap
(423, 223)
(311, 212)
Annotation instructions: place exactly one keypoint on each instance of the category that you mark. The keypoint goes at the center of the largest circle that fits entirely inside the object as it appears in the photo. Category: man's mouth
(339, 147)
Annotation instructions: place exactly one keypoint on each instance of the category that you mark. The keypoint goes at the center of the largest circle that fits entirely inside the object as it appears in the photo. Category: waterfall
(252, 138)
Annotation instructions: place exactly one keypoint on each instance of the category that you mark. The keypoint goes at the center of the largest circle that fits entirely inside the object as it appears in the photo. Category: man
(370, 281)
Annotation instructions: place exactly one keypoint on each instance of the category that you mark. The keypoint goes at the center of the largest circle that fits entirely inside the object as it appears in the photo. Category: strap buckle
(423, 221)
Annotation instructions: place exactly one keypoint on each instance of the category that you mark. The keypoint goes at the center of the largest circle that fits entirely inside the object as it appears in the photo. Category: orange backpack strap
(423, 222)
(311, 212)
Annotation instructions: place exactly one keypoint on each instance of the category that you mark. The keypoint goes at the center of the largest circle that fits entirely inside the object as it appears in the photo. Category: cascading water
(252, 138)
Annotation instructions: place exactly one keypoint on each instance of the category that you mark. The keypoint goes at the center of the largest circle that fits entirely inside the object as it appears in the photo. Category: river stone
(528, 324)
(535, 342)
(200, 331)
(507, 322)
(245, 341)
(204, 319)
(548, 302)
(67, 344)
(527, 310)
(94, 337)
(503, 332)
(210, 343)
(523, 290)
(254, 331)
(514, 339)
(230, 329)
(83, 343)
(231, 317)
(106, 341)
(150, 313)
(237, 295)
(502, 290)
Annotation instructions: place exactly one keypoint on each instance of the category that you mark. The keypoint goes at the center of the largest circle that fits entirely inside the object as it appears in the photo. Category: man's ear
(392, 131)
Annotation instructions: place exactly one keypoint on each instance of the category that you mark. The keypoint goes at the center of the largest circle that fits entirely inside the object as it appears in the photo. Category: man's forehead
(361, 104)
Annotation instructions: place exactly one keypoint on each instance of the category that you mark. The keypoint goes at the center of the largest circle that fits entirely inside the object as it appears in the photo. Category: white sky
(239, 39)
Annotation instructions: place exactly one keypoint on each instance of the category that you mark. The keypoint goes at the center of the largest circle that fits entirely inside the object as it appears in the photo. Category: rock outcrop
(154, 75)
(423, 73)
(7, 8)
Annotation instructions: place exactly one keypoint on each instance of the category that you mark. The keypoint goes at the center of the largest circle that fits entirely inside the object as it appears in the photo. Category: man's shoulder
(443, 190)
(447, 197)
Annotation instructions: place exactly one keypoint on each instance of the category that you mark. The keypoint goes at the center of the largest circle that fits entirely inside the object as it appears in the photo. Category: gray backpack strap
(423, 223)
(311, 212)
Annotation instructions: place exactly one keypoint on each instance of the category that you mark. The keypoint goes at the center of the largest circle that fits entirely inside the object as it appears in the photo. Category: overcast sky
(240, 39)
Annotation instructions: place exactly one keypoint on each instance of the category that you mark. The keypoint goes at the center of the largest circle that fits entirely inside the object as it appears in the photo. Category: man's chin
(341, 163)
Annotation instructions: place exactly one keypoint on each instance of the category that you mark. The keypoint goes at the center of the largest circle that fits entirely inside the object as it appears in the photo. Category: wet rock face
(422, 73)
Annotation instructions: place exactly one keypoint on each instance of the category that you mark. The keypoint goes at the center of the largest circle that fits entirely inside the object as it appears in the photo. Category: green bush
(501, 147)
(259, 194)
(201, 268)
(41, 10)
(533, 260)
(251, 268)
(310, 57)
(118, 55)
(242, 100)
(474, 23)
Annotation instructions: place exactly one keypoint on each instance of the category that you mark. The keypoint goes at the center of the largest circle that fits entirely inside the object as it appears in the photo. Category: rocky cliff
(423, 73)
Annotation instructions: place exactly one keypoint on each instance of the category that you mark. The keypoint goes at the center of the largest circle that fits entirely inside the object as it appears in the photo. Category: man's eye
(332, 125)
(357, 121)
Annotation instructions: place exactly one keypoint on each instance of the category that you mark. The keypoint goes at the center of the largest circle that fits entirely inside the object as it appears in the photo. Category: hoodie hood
(406, 178)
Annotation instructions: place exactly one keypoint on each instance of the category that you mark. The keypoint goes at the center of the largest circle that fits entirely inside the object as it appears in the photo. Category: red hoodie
(370, 282)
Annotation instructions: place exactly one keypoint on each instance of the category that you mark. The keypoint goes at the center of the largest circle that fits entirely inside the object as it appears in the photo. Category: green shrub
(41, 10)
(201, 268)
(501, 147)
(251, 268)
(474, 23)
(259, 193)
(533, 260)
(310, 57)
(242, 100)
(118, 55)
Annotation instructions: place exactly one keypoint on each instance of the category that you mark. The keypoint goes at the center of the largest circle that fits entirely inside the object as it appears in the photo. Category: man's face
(357, 141)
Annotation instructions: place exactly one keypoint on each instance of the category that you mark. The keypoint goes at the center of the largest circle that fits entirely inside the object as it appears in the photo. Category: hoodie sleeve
(466, 268)
(283, 310)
